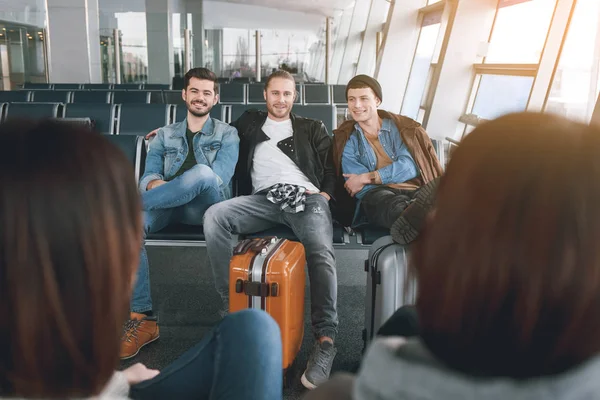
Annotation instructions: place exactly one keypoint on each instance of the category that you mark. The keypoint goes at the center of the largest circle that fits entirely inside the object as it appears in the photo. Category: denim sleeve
(154, 161)
(224, 164)
(352, 165)
(401, 170)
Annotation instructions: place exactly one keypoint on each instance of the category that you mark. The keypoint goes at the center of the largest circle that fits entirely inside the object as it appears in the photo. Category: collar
(386, 126)
(207, 129)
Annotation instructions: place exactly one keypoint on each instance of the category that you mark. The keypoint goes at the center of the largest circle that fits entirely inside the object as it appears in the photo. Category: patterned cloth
(290, 197)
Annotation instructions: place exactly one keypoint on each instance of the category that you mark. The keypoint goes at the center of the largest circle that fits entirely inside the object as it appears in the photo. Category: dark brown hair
(508, 269)
(70, 232)
(201, 73)
(279, 74)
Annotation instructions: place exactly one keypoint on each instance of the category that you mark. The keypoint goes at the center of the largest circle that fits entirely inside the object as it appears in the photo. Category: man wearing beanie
(386, 164)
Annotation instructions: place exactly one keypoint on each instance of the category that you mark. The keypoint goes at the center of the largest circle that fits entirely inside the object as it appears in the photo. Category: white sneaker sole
(306, 383)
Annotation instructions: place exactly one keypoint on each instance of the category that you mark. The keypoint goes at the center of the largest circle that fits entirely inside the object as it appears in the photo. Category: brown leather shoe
(138, 331)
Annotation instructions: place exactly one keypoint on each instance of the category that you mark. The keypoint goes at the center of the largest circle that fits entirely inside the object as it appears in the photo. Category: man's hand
(152, 134)
(155, 183)
(356, 182)
(138, 373)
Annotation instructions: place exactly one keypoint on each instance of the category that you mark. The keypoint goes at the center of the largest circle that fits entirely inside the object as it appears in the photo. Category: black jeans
(383, 205)
(404, 322)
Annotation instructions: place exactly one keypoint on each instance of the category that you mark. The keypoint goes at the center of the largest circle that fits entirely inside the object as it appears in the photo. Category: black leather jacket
(312, 145)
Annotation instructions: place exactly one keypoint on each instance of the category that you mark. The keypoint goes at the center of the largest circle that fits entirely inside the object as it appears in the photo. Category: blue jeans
(239, 359)
(185, 199)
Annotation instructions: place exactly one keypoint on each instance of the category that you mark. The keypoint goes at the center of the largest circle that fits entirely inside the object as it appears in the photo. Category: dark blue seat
(127, 86)
(317, 94)
(179, 232)
(33, 110)
(181, 112)
(134, 149)
(67, 86)
(256, 93)
(98, 86)
(37, 86)
(157, 86)
(139, 119)
(102, 115)
(339, 94)
(370, 233)
(87, 96)
(50, 96)
(131, 97)
(9, 96)
(232, 93)
(172, 97)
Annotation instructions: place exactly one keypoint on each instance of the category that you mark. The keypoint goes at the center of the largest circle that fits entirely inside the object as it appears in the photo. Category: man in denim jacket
(189, 167)
(388, 163)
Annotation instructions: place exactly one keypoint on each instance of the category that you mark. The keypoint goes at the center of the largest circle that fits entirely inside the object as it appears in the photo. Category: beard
(196, 113)
(279, 112)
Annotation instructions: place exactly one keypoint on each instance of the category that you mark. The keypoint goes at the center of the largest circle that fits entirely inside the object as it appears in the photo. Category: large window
(422, 68)
(575, 86)
(520, 31)
(501, 94)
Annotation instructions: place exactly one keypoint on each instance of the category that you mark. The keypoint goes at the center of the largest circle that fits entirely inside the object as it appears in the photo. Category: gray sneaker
(319, 365)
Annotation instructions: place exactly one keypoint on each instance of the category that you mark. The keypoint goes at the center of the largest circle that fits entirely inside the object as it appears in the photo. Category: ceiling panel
(322, 7)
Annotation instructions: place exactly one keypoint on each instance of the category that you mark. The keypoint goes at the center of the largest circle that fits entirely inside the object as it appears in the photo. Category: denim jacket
(217, 146)
(359, 157)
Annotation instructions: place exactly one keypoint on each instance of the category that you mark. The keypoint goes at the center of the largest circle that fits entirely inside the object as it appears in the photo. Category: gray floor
(187, 302)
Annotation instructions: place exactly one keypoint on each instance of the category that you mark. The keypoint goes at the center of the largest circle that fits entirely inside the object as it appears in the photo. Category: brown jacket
(414, 137)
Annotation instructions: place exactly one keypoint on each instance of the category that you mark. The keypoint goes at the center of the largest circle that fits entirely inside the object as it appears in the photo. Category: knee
(254, 325)
(214, 216)
(200, 174)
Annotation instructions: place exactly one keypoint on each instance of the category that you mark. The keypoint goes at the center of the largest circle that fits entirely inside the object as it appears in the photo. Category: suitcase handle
(242, 247)
(257, 289)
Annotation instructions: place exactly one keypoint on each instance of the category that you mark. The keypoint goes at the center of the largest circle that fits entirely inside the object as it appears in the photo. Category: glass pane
(575, 87)
(239, 53)
(178, 29)
(299, 52)
(500, 94)
(520, 31)
(432, 1)
(134, 46)
(419, 73)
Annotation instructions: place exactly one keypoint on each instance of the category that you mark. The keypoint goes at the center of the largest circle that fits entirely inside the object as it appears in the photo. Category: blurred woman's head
(509, 268)
(70, 231)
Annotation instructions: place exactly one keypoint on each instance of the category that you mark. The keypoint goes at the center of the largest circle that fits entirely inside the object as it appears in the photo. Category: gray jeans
(313, 226)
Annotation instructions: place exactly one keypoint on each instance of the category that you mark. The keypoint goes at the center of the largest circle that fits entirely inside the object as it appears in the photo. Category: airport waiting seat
(50, 96)
(139, 119)
(37, 86)
(181, 112)
(33, 110)
(339, 94)
(242, 80)
(156, 97)
(3, 107)
(127, 86)
(317, 94)
(137, 96)
(134, 149)
(172, 97)
(97, 86)
(102, 115)
(232, 93)
(339, 234)
(9, 96)
(94, 96)
(255, 93)
(157, 86)
(67, 86)
(180, 234)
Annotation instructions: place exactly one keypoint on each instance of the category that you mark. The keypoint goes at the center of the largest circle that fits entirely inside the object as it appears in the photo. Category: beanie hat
(365, 80)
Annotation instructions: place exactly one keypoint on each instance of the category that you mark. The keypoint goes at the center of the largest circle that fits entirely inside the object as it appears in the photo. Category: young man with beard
(285, 176)
(189, 167)
(388, 163)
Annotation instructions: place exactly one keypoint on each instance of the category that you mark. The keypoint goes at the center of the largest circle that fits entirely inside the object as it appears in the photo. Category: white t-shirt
(270, 165)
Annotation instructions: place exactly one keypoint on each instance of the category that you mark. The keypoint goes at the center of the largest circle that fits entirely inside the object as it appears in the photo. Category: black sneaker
(407, 227)
(319, 365)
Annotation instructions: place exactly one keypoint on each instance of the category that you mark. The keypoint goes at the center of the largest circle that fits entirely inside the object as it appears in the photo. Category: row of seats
(104, 86)
(138, 119)
(186, 235)
(230, 93)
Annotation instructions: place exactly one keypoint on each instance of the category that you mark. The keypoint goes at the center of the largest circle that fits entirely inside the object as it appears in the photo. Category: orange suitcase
(268, 274)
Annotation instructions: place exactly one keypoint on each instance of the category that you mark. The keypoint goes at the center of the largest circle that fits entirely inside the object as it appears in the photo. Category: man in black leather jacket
(285, 175)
